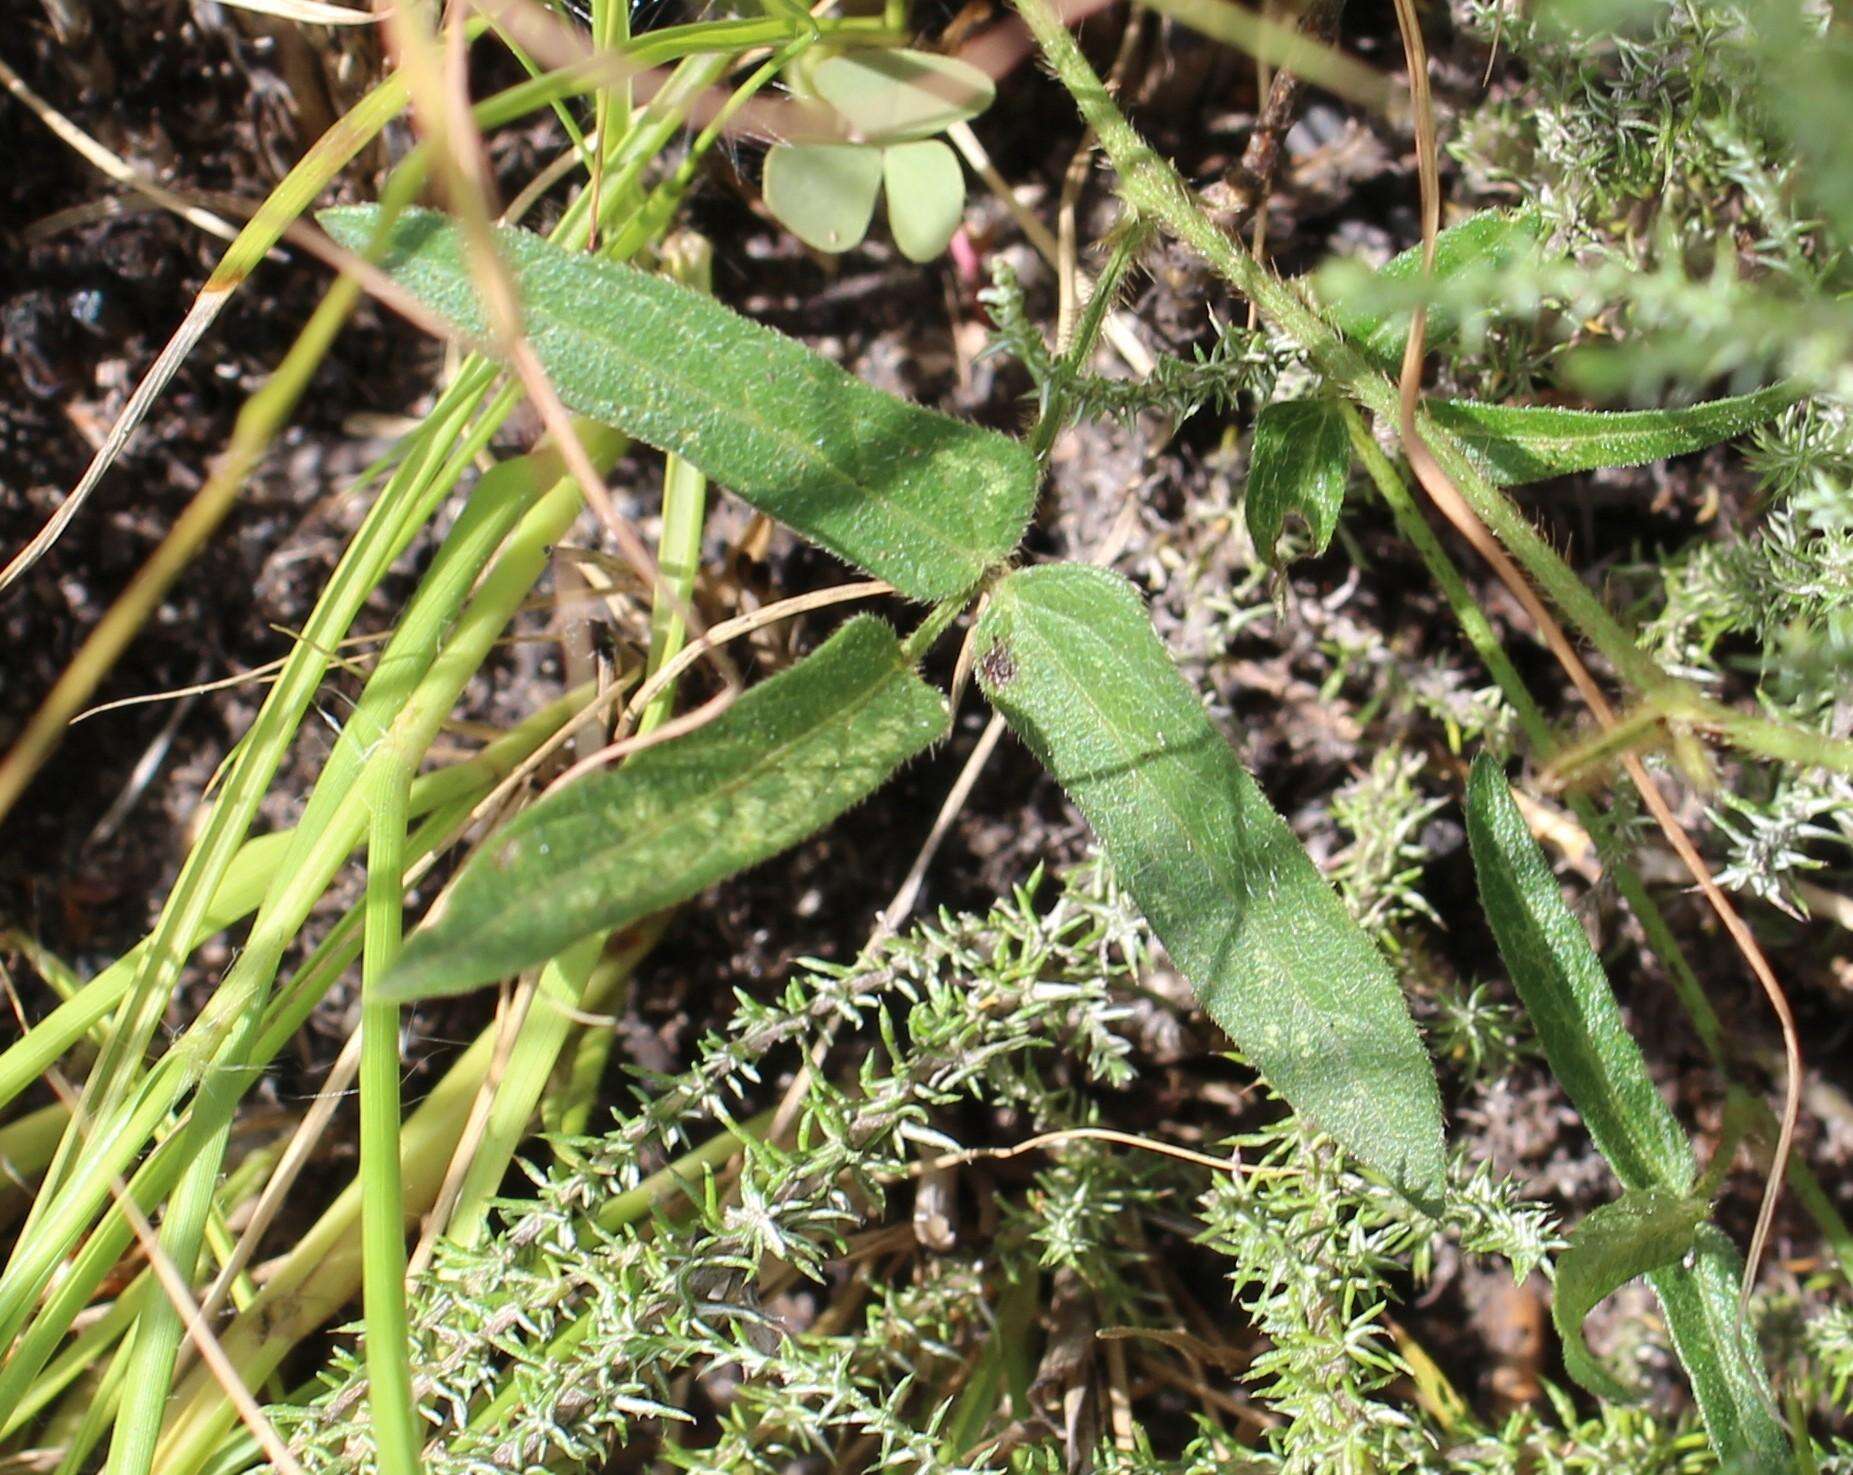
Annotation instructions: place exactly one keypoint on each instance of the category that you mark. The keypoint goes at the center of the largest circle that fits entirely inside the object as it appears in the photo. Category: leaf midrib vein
(746, 409)
(1132, 767)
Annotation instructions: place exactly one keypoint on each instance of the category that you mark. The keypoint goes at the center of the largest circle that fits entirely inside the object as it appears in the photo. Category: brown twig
(1244, 189)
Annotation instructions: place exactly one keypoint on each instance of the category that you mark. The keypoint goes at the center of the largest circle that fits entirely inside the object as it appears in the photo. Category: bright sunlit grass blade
(382, 1219)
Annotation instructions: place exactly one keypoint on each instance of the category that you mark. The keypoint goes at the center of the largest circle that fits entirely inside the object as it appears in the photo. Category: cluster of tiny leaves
(582, 1337)
(1646, 137)
(1319, 1253)
(1385, 809)
(580, 1332)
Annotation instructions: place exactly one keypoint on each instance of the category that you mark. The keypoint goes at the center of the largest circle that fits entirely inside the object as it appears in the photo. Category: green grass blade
(543, 1034)
(1641, 1231)
(113, 1143)
(394, 1408)
(88, 1347)
(1297, 464)
(780, 763)
(685, 514)
(396, 725)
(1567, 995)
(332, 823)
(1515, 444)
(250, 876)
(158, 1330)
(97, 1412)
(1068, 656)
(1699, 1298)
(924, 501)
(322, 1270)
(395, 515)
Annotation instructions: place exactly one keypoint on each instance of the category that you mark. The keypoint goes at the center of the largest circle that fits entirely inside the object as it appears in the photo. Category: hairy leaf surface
(1699, 1297)
(1568, 997)
(1068, 656)
(1567, 994)
(924, 501)
(1297, 464)
(783, 761)
(1520, 443)
(1641, 1231)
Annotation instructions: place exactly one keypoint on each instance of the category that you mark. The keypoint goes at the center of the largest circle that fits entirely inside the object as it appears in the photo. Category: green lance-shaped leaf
(1067, 654)
(1515, 444)
(1567, 994)
(1297, 464)
(1489, 240)
(1639, 1232)
(1699, 1297)
(1568, 997)
(780, 763)
(924, 501)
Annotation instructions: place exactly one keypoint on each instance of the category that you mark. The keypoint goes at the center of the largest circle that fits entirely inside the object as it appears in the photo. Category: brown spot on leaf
(997, 667)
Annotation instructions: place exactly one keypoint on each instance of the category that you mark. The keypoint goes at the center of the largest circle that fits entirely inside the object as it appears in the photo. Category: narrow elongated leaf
(1641, 1231)
(1297, 464)
(1520, 443)
(783, 761)
(1699, 1297)
(1567, 994)
(1068, 656)
(924, 501)
(1490, 239)
(1568, 997)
